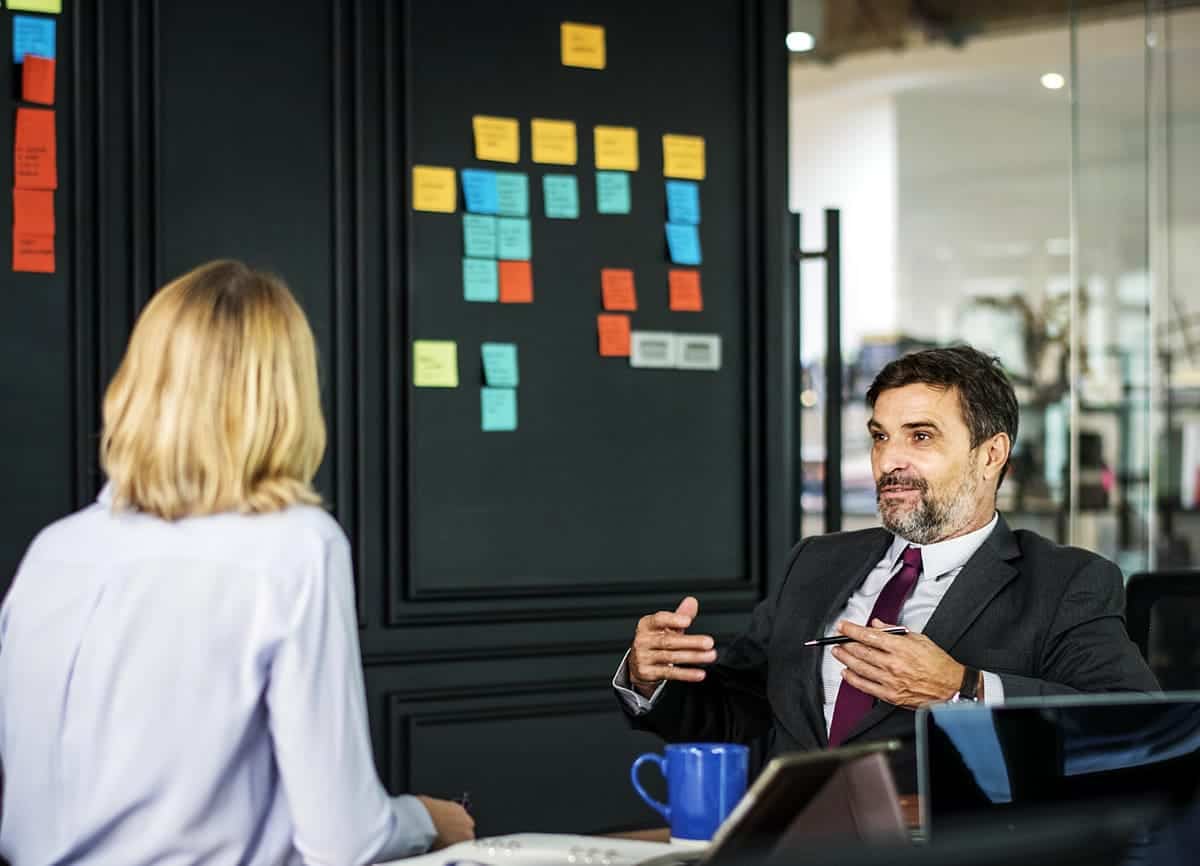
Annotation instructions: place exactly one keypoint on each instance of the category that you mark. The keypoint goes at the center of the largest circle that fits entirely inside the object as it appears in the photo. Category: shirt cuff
(636, 703)
(993, 689)
(414, 830)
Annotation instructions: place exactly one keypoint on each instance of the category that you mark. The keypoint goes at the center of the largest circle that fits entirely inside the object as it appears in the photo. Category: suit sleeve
(1087, 648)
(730, 705)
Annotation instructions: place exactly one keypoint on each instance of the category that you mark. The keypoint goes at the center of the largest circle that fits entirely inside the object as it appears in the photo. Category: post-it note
(35, 162)
(435, 364)
(52, 7)
(434, 189)
(612, 192)
(500, 365)
(516, 283)
(479, 191)
(33, 211)
(480, 281)
(498, 409)
(479, 236)
(617, 289)
(512, 193)
(497, 139)
(554, 141)
(616, 147)
(560, 195)
(698, 351)
(512, 238)
(613, 329)
(37, 80)
(652, 349)
(683, 202)
(33, 253)
(683, 242)
(683, 156)
(582, 45)
(684, 288)
(32, 36)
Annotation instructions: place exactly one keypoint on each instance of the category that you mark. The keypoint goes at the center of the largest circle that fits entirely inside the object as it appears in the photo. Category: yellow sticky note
(52, 6)
(497, 139)
(435, 364)
(434, 189)
(554, 141)
(683, 156)
(616, 147)
(582, 45)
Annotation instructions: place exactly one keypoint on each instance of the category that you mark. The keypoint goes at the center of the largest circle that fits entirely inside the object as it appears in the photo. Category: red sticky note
(685, 290)
(33, 211)
(33, 253)
(614, 335)
(35, 164)
(37, 80)
(617, 286)
(516, 283)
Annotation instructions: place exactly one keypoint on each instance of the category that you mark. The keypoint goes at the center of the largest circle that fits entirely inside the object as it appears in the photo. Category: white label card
(652, 349)
(698, 351)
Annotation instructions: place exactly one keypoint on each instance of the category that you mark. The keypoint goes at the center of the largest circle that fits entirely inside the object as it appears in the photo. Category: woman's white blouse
(190, 692)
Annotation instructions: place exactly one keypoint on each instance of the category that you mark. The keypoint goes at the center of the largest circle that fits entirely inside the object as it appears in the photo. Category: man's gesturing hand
(906, 670)
(661, 650)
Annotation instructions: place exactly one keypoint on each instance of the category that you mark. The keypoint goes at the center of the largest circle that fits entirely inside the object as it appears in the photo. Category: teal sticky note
(479, 236)
(683, 202)
(512, 239)
(479, 190)
(512, 193)
(683, 242)
(480, 280)
(500, 365)
(32, 36)
(612, 192)
(560, 194)
(498, 409)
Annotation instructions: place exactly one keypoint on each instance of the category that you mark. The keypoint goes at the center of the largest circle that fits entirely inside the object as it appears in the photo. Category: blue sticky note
(479, 236)
(512, 193)
(479, 190)
(560, 194)
(683, 242)
(612, 191)
(32, 36)
(683, 202)
(498, 408)
(500, 365)
(480, 281)
(512, 236)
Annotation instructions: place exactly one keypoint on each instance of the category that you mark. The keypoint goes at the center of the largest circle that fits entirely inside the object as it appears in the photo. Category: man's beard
(931, 519)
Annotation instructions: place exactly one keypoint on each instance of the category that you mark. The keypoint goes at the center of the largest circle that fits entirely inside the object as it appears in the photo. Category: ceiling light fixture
(799, 41)
(1053, 81)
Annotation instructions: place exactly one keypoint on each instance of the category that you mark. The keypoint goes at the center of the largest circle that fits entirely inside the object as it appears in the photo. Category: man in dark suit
(992, 613)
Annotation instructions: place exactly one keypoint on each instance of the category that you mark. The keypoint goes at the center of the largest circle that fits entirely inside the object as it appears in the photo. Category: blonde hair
(215, 406)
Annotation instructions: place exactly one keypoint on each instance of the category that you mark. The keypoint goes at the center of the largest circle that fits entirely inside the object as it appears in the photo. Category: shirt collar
(106, 496)
(943, 557)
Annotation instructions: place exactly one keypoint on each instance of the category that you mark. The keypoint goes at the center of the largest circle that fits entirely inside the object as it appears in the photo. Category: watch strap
(969, 690)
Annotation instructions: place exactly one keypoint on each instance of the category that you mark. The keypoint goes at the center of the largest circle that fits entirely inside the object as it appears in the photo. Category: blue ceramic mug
(704, 783)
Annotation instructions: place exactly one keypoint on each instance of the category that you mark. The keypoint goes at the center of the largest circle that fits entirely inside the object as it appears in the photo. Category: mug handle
(654, 758)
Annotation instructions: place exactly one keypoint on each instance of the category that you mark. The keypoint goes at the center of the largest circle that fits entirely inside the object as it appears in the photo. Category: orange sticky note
(33, 211)
(33, 253)
(516, 282)
(685, 290)
(617, 287)
(37, 80)
(614, 335)
(35, 165)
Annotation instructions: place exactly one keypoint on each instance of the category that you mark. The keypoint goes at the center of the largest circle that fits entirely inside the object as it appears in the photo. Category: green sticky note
(52, 7)
(498, 409)
(435, 364)
(500, 365)
(512, 193)
(480, 280)
(512, 237)
(612, 192)
(560, 195)
(479, 236)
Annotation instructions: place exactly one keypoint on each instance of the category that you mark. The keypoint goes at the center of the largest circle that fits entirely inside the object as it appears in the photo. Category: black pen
(841, 638)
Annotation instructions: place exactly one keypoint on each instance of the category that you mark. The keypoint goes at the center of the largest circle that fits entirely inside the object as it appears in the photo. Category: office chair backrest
(1162, 613)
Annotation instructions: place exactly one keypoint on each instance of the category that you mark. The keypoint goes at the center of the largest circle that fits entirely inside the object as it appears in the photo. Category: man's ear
(996, 452)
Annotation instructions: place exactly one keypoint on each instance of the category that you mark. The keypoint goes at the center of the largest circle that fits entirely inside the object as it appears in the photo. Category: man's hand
(450, 821)
(661, 650)
(907, 670)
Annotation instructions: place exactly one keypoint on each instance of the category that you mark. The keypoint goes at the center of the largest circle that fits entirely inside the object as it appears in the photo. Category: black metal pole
(833, 371)
(796, 409)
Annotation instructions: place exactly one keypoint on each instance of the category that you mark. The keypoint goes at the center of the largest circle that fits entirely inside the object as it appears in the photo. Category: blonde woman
(180, 680)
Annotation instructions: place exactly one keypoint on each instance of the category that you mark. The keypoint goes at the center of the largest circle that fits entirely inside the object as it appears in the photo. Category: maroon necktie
(853, 704)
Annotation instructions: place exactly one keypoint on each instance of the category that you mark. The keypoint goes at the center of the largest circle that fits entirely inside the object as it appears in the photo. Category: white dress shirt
(190, 692)
(940, 564)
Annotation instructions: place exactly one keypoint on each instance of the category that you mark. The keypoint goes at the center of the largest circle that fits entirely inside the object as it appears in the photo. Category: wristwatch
(969, 690)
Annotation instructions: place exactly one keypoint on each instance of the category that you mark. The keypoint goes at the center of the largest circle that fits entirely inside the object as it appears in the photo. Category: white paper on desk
(698, 351)
(654, 349)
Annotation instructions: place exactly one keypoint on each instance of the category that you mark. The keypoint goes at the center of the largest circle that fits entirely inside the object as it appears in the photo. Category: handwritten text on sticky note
(616, 286)
(435, 364)
(612, 192)
(683, 156)
(434, 189)
(616, 147)
(554, 141)
(500, 365)
(497, 139)
(582, 45)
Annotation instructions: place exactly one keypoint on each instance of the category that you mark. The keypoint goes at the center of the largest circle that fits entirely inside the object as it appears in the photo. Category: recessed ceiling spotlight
(799, 41)
(1053, 81)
